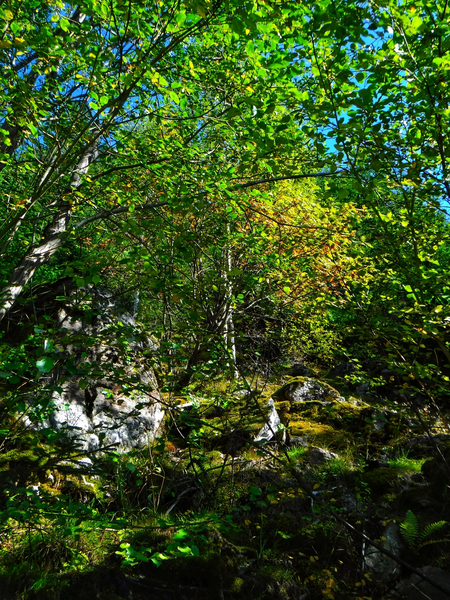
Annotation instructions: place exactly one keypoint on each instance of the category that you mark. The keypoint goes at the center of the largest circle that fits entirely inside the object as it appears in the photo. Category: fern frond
(410, 528)
(434, 542)
(432, 528)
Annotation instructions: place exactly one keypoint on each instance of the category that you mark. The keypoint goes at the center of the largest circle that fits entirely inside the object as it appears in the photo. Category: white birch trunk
(54, 235)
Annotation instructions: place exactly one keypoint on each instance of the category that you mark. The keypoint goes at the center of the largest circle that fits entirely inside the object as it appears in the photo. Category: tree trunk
(229, 337)
(54, 235)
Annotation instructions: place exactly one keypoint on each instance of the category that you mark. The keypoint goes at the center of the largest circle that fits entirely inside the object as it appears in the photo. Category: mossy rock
(241, 419)
(283, 406)
(319, 434)
(302, 389)
(77, 488)
(383, 479)
(346, 416)
(310, 408)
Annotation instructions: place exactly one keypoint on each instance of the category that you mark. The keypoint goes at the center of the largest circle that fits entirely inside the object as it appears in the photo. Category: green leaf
(181, 534)
(45, 364)
(250, 48)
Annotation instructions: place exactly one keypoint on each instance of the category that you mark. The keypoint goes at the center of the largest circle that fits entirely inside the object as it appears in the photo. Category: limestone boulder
(307, 389)
(105, 392)
(109, 419)
(271, 429)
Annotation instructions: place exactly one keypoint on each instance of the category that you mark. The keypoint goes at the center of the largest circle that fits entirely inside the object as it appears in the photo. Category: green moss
(276, 572)
(30, 453)
(236, 584)
(75, 486)
(283, 406)
(382, 480)
(319, 434)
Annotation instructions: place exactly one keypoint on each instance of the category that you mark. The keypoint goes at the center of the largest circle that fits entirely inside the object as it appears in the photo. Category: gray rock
(415, 588)
(317, 456)
(117, 404)
(311, 389)
(112, 419)
(271, 428)
(298, 440)
(363, 388)
(379, 564)
(244, 394)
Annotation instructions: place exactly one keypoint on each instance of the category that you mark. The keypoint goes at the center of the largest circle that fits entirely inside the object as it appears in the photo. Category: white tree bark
(54, 235)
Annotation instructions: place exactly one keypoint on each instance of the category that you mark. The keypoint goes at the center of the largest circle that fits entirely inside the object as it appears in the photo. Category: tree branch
(116, 211)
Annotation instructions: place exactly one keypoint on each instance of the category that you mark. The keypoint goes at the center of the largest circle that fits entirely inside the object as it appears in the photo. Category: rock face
(379, 564)
(109, 419)
(318, 456)
(306, 389)
(415, 588)
(271, 428)
(110, 398)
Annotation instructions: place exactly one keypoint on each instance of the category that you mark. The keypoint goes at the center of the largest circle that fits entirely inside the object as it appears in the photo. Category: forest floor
(208, 512)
